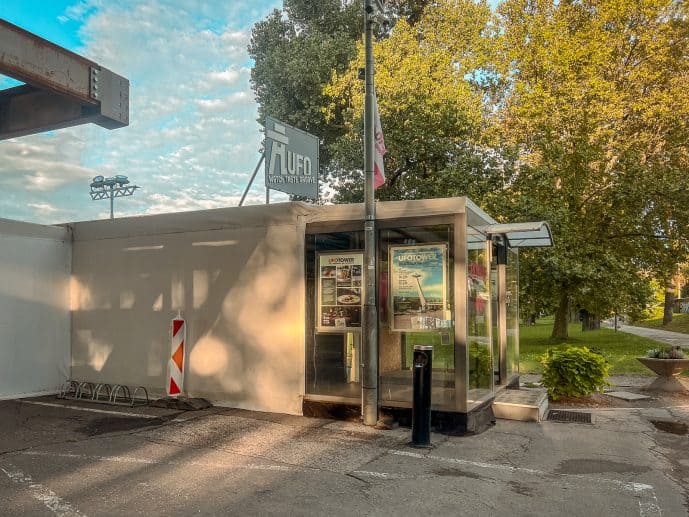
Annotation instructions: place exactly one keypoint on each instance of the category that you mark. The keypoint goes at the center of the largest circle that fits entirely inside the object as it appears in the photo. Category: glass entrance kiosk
(447, 276)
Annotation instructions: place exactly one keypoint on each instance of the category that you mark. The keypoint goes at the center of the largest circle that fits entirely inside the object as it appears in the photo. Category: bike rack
(67, 388)
(83, 387)
(104, 393)
(145, 393)
(96, 395)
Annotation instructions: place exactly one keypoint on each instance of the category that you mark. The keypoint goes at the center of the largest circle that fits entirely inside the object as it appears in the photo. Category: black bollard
(421, 410)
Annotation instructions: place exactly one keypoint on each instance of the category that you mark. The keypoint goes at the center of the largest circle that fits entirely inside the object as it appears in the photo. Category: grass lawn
(680, 323)
(619, 349)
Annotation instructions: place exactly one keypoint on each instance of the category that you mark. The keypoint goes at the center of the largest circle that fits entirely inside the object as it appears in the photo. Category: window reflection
(333, 343)
(478, 318)
(419, 313)
(512, 302)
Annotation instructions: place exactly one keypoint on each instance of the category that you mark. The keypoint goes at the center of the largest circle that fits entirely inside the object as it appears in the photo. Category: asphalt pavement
(664, 336)
(75, 459)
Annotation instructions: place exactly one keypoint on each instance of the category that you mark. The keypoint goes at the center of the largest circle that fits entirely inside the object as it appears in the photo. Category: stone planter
(667, 371)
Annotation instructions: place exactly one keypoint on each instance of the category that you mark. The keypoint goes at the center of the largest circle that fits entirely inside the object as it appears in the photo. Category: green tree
(432, 81)
(295, 52)
(597, 110)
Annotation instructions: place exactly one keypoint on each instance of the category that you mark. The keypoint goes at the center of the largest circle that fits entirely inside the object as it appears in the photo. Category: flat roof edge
(250, 216)
(33, 230)
(389, 209)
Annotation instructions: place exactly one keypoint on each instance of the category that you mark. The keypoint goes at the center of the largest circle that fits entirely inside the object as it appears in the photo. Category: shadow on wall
(240, 291)
(34, 314)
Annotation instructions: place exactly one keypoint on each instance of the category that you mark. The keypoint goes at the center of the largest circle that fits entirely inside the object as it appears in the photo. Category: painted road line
(602, 409)
(90, 410)
(145, 461)
(50, 499)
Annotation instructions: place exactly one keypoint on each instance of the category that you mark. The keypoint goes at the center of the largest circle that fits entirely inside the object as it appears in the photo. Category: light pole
(110, 188)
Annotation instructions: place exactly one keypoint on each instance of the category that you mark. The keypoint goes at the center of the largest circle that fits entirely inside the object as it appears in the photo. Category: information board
(339, 290)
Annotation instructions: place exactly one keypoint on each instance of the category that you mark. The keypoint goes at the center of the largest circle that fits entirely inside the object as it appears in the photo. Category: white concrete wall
(237, 277)
(34, 308)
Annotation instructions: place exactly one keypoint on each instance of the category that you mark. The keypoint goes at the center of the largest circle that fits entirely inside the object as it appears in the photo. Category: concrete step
(526, 404)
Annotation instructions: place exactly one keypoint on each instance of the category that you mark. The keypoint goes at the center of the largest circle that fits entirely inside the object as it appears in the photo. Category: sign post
(175, 385)
(369, 385)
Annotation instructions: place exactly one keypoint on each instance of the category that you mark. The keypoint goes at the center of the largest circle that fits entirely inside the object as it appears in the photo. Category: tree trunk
(589, 321)
(669, 302)
(561, 317)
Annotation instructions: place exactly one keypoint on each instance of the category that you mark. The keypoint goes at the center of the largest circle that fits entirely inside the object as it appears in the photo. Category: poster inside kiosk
(340, 291)
(418, 287)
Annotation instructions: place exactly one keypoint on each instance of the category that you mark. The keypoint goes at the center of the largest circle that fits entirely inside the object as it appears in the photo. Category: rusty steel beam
(25, 110)
(62, 88)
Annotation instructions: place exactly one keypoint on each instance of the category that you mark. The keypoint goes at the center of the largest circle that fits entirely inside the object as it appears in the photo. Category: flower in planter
(665, 353)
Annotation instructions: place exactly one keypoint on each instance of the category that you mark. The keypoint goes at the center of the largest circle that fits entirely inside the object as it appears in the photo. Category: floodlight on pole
(110, 188)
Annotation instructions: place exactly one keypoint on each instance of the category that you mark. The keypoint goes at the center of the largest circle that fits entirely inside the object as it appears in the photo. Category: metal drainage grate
(556, 415)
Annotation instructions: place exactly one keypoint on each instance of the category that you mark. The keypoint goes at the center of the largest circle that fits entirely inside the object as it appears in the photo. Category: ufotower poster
(418, 287)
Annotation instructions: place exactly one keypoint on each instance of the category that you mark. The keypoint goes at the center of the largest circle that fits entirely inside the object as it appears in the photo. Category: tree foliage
(431, 79)
(295, 52)
(597, 108)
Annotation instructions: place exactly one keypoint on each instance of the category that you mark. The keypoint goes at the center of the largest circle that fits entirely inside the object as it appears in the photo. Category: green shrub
(480, 370)
(573, 372)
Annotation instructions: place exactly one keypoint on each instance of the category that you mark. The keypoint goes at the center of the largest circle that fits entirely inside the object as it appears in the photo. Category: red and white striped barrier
(175, 384)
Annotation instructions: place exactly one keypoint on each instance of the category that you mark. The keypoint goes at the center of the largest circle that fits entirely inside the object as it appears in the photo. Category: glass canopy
(523, 235)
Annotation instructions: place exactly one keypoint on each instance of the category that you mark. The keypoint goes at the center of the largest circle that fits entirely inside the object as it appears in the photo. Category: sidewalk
(664, 336)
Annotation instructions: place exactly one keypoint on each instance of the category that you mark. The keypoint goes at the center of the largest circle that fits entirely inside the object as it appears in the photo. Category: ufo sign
(291, 159)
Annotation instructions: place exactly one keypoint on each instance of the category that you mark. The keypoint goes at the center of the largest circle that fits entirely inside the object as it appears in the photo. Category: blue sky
(193, 139)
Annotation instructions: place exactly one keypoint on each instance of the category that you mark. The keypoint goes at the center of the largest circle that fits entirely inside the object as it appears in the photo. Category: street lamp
(110, 188)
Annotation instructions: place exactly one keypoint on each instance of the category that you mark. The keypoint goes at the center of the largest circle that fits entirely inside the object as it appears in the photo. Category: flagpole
(369, 385)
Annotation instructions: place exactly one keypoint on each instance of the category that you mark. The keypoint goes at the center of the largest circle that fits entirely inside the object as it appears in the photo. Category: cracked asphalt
(68, 459)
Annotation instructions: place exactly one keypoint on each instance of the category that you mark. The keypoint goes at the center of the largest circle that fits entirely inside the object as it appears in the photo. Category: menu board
(418, 287)
(340, 290)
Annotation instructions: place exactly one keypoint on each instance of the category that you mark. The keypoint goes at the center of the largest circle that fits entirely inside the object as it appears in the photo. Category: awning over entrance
(523, 235)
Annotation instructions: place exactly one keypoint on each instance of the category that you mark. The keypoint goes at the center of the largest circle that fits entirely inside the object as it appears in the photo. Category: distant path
(665, 336)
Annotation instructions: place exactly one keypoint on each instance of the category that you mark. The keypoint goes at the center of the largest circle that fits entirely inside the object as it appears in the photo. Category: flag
(379, 144)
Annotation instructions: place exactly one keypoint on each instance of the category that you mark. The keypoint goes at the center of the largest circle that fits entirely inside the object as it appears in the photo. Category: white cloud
(195, 199)
(226, 103)
(228, 77)
(44, 208)
(42, 162)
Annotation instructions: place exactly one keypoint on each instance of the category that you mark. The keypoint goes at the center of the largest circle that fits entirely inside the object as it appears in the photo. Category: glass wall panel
(333, 314)
(512, 300)
(478, 318)
(416, 300)
(495, 313)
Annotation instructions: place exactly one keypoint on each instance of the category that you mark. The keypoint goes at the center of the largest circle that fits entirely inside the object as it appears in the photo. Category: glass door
(495, 311)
